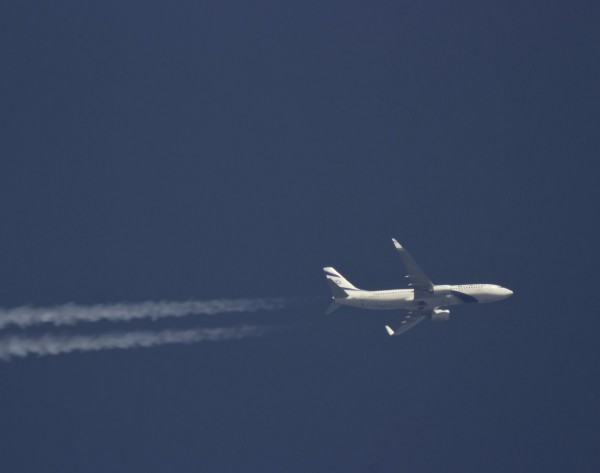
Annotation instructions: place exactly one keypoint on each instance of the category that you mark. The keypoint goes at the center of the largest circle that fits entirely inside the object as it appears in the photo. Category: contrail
(19, 346)
(70, 314)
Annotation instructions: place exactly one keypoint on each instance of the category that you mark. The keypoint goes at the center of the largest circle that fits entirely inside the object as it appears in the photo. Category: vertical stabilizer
(340, 288)
(339, 280)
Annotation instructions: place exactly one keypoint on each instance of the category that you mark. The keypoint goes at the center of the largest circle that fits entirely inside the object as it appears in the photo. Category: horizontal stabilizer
(332, 307)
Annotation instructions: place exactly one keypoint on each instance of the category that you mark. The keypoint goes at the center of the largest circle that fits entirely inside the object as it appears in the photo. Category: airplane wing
(418, 280)
(412, 319)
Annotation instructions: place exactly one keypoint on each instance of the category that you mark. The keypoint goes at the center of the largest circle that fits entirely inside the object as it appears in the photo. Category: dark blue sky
(176, 150)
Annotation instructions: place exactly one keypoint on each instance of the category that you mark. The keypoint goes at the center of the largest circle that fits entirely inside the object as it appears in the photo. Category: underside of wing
(412, 319)
(417, 278)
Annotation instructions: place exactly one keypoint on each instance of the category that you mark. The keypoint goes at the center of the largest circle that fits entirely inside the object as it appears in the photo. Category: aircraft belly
(386, 304)
(439, 301)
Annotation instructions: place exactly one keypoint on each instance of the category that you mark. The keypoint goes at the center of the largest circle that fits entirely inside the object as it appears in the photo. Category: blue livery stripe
(466, 298)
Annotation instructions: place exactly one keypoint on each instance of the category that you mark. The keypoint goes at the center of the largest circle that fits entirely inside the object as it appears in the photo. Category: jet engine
(439, 315)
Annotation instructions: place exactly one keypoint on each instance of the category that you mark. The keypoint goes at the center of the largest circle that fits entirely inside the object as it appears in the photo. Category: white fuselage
(441, 296)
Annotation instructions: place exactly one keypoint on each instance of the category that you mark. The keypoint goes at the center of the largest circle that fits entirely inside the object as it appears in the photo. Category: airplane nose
(508, 292)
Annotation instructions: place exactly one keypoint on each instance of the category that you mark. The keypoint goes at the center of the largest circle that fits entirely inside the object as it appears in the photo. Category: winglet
(396, 244)
(389, 330)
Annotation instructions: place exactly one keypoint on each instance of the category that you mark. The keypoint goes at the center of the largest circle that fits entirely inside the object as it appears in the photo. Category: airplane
(423, 300)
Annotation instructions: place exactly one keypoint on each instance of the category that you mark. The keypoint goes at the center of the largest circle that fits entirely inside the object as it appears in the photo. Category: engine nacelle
(440, 315)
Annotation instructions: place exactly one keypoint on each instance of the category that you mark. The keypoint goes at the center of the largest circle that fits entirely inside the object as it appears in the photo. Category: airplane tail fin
(340, 288)
(336, 291)
(339, 280)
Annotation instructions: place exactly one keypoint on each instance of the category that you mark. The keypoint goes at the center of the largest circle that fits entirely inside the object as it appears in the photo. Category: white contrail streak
(70, 314)
(19, 346)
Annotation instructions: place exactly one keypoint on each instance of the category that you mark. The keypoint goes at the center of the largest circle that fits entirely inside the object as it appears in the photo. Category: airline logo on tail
(339, 280)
